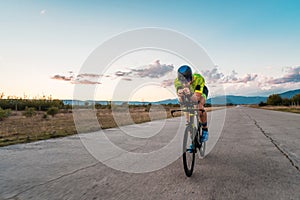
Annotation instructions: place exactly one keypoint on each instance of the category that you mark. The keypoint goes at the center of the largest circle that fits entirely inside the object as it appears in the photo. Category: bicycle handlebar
(186, 110)
(188, 103)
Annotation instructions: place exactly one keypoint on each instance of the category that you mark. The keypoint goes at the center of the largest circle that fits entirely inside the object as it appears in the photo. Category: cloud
(62, 78)
(120, 73)
(86, 82)
(86, 78)
(42, 12)
(214, 76)
(233, 79)
(155, 70)
(293, 76)
(247, 78)
(167, 83)
(127, 79)
(89, 75)
(253, 84)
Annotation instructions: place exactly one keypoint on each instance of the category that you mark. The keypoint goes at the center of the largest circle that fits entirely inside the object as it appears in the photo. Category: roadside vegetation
(276, 102)
(24, 121)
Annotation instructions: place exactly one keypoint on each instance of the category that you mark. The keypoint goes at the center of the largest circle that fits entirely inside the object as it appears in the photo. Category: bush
(45, 116)
(98, 106)
(262, 104)
(4, 113)
(29, 112)
(52, 111)
(38, 104)
(147, 109)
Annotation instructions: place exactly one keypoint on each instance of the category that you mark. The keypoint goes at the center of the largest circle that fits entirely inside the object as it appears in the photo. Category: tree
(296, 99)
(274, 100)
(286, 102)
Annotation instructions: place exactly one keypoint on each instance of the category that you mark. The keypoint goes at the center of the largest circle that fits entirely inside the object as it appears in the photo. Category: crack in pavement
(15, 197)
(276, 144)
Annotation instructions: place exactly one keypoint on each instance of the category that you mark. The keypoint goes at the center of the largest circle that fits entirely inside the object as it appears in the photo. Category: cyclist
(188, 83)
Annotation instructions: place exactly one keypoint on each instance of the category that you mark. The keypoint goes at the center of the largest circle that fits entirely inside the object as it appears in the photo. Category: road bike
(192, 135)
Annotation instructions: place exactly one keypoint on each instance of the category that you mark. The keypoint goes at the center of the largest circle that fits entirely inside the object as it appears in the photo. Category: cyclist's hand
(186, 91)
(180, 92)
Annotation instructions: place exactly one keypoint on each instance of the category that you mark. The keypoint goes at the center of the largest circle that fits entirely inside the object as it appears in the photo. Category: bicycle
(192, 135)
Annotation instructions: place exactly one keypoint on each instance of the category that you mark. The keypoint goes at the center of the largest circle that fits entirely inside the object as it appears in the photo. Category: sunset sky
(254, 45)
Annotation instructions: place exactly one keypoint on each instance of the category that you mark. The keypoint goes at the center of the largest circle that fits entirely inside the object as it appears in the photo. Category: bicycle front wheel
(188, 156)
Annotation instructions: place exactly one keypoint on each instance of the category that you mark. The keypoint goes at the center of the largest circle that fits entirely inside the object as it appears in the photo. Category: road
(256, 157)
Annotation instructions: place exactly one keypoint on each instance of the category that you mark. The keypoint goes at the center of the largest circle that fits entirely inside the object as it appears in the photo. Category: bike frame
(192, 130)
(190, 108)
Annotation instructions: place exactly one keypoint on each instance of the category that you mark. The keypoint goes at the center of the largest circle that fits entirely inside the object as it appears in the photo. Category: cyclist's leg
(203, 114)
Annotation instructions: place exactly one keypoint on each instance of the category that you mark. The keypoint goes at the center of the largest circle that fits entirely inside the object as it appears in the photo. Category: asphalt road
(256, 157)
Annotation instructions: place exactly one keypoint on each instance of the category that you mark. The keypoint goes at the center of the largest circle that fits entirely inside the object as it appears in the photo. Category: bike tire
(202, 145)
(188, 158)
(202, 150)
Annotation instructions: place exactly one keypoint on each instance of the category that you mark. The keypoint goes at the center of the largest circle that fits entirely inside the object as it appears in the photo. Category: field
(20, 129)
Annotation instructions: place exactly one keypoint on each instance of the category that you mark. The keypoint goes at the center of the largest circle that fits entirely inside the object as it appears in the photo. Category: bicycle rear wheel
(201, 151)
(202, 145)
(188, 157)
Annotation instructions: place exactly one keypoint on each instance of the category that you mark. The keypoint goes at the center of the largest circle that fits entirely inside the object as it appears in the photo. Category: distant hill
(231, 99)
(168, 101)
(289, 94)
(219, 100)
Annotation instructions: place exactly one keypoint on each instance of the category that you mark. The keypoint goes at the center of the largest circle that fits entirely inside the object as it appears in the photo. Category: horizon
(250, 44)
(104, 100)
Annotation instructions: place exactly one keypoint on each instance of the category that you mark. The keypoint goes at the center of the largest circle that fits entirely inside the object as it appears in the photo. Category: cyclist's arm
(177, 85)
(200, 86)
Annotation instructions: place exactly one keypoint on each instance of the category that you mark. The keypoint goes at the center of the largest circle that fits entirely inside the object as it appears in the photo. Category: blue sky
(255, 39)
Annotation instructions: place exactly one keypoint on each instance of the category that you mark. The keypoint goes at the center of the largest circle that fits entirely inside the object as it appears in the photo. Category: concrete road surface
(256, 157)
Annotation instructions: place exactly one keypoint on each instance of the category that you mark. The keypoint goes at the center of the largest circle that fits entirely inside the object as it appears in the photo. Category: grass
(281, 108)
(21, 129)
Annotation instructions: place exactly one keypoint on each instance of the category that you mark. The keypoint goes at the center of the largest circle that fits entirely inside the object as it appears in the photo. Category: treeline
(37, 104)
(277, 100)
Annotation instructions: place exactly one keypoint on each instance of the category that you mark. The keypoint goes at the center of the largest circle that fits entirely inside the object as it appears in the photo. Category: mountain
(289, 94)
(231, 99)
(168, 101)
(222, 100)
(91, 102)
(218, 100)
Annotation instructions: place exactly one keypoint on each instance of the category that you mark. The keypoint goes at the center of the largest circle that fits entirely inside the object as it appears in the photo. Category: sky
(254, 45)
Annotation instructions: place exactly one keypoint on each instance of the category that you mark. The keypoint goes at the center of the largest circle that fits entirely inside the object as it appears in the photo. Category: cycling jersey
(197, 85)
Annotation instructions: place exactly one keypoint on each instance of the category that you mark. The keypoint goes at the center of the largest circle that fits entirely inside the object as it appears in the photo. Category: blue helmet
(184, 73)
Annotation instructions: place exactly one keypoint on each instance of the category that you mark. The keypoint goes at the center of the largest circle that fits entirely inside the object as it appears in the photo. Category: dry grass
(19, 129)
(292, 109)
